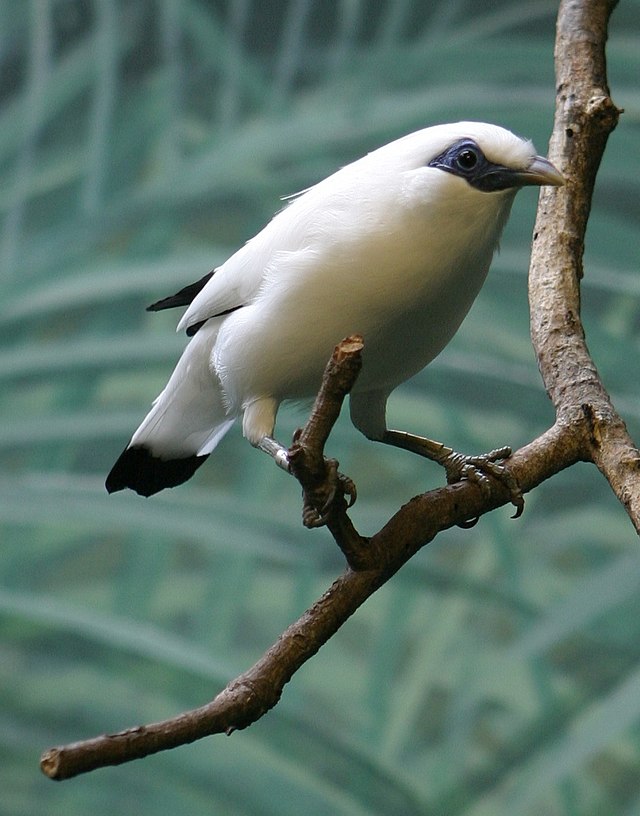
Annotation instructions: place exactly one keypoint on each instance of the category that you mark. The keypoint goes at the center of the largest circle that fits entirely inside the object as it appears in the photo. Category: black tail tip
(138, 469)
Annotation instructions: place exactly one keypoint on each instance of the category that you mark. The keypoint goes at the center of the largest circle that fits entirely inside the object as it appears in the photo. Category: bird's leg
(459, 466)
(276, 451)
(316, 502)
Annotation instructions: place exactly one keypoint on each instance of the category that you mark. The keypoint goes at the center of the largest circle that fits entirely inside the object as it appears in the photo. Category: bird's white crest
(390, 247)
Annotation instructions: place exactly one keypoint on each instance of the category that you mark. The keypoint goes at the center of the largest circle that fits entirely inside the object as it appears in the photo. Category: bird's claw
(317, 504)
(479, 469)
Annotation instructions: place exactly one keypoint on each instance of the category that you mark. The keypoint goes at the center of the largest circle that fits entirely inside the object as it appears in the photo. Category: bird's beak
(540, 171)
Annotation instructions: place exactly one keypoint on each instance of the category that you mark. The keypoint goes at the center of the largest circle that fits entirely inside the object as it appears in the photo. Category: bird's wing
(181, 298)
(307, 221)
(237, 282)
(185, 297)
(219, 292)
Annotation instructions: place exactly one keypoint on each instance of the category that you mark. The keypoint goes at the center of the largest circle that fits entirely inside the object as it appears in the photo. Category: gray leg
(335, 483)
(458, 466)
(277, 452)
(368, 411)
(453, 463)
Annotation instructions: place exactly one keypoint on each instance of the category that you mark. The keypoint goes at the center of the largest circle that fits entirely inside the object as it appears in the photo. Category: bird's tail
(185, 424)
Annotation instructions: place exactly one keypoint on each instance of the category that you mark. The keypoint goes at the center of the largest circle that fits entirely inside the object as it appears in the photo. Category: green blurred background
(142, 142)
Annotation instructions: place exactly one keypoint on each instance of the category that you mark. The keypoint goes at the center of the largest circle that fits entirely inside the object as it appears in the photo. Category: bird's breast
(405, 284)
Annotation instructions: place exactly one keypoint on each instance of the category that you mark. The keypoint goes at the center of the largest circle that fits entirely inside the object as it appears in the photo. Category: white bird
(394, 247)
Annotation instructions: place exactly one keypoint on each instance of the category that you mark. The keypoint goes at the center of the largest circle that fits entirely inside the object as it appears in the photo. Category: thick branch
(252, 694)
(239, 705)
(585, 116)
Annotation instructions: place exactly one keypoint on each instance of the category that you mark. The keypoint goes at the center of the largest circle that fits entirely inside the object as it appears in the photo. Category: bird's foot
(479, 469)
(318, 503)
(458, 466)
(319, 500)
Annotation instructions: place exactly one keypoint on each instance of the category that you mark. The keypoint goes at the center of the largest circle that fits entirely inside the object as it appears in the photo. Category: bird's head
(457, 179)
(487, 157)
(490, 158)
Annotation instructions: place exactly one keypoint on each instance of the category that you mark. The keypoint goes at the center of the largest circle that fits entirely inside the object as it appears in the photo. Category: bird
(394, 247)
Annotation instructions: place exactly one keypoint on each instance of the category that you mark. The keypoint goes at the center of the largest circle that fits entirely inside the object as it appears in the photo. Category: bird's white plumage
(191, 402)
(387, 247)
(364, 201)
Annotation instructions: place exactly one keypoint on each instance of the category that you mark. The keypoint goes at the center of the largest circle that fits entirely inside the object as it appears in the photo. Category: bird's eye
(467, 159)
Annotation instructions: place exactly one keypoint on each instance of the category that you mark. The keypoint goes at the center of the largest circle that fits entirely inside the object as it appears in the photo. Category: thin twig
(323, 487)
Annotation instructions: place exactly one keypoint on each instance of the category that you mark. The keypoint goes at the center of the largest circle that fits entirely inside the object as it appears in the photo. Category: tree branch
(586, 428)
(585, 116)
(323, 487)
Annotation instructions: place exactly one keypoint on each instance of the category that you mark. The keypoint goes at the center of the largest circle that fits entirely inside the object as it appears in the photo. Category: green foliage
(140, 143)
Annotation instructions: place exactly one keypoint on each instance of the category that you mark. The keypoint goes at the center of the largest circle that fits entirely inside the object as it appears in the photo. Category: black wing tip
(195, 328)
(138, 469)
(183, 297)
